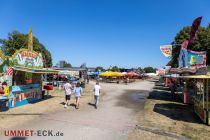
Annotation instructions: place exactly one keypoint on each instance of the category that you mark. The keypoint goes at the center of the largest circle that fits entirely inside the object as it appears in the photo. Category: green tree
(140, 70)
(149, 70)
(67, 65)
(201, 43)
(99, 68)
(83, 65)
(114, 68)
(17, 40)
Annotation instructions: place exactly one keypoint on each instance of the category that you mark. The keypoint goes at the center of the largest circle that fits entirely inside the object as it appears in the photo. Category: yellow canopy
(111, 74)
(106, 74)
(117, 74)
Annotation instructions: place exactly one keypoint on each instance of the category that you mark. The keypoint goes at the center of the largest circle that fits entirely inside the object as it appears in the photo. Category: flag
(9, 71)
(194, 28)
(166, 50)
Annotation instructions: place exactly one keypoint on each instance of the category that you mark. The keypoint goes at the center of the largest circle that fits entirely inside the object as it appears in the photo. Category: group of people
(77, 90)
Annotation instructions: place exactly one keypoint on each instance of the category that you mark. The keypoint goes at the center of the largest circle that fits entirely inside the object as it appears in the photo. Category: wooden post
(207, 100)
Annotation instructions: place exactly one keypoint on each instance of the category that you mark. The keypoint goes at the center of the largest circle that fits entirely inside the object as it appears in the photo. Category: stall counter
(24, 94)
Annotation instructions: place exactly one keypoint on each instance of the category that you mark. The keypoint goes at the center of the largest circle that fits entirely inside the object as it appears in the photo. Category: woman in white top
(77, 94)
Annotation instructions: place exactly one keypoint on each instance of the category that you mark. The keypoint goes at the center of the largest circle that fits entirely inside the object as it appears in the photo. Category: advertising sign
(166, 50)
(29, 59)
(192, 59)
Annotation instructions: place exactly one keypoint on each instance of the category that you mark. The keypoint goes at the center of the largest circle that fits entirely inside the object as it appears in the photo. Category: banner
(166, 50)
(192, 59)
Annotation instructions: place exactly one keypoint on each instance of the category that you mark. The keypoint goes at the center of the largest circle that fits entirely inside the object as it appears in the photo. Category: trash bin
(43, 94)
(4, 105)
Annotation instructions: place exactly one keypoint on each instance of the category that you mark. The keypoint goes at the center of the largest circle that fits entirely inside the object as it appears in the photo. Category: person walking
(96, 90)
(77, 94)
(67, 87)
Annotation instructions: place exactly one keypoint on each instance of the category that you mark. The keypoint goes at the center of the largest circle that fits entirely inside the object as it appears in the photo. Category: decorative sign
(29, 59)
(166, 50)
(192, 59)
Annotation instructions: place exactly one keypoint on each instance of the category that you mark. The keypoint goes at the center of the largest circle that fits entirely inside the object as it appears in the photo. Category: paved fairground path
(113, 120)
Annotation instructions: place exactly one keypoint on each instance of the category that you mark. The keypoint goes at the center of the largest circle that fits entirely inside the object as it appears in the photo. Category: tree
(17, 40)
(201, 43)
(140, 70)
(99, 68)
(115, 69)
(149, 70)
(67, 65)
(83, 65)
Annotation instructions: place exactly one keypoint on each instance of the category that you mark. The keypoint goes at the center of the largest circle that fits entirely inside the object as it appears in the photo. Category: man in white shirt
(67, 87)
(96, 90)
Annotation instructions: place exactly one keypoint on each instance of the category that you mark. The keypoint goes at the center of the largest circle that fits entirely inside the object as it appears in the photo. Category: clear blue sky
(126, 33)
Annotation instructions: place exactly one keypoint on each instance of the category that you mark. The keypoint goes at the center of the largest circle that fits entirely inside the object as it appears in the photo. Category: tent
(111, 74)
(132, 74)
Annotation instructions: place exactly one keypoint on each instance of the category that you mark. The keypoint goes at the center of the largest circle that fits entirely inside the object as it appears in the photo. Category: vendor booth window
(22, 78)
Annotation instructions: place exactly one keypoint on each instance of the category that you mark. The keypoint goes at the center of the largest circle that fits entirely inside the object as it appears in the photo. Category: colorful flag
(166, 50)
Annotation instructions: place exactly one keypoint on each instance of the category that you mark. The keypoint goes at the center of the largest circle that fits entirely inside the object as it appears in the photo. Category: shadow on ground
(91, 104)
(179, 112)
(174, 108)
(133, 99)
(163, 95)
(46, 97)
(72, 104)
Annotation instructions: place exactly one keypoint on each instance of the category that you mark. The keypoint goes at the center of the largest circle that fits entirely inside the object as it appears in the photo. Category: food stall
(201, 96)
(22, 72)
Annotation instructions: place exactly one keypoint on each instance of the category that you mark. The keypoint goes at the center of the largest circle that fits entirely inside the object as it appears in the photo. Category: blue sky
(126, 33)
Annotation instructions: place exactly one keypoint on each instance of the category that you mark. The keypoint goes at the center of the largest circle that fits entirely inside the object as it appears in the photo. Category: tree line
(118, 69)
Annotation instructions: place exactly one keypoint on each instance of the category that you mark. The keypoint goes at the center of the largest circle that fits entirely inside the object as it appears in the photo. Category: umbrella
(111, 74)
(117, 74)
(124, 73)
(132, 74)
(106, 74)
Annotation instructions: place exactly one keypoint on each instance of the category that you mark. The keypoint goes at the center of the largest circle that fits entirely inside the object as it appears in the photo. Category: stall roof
(196, 77)
(38, 71)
